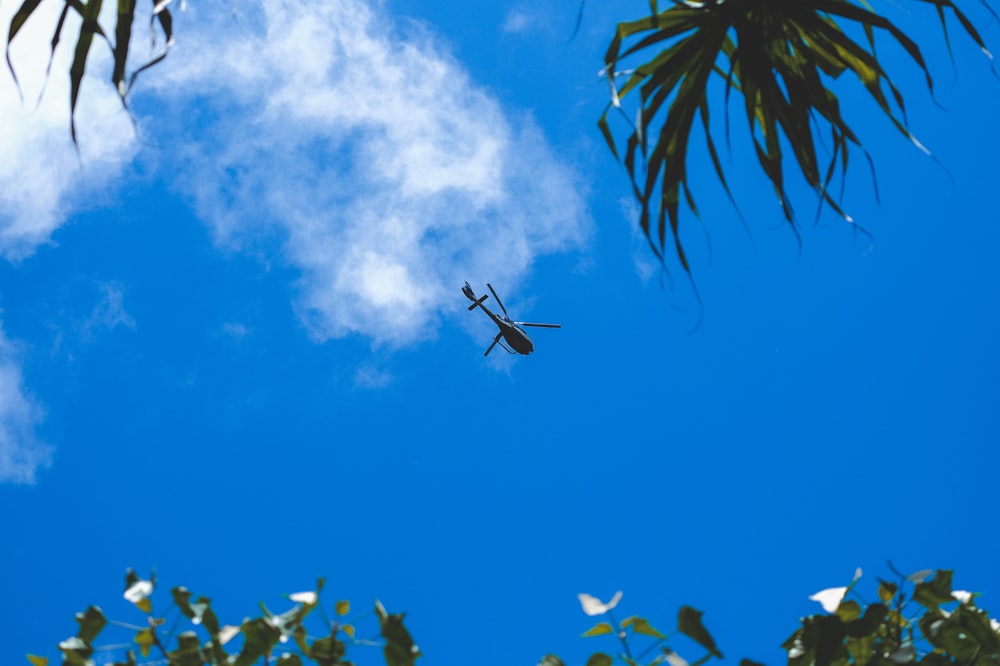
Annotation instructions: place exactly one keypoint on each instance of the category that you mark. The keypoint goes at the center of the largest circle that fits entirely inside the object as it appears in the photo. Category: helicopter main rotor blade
(493, 344)
(528, 323)
(499, 302)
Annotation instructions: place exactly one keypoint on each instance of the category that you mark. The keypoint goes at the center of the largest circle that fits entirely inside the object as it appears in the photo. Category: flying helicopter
(510, 330)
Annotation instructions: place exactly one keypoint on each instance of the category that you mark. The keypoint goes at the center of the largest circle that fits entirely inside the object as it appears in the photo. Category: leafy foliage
(256, 640)
(629, 630)
(89, 11)
(899, 629)
(780, 55)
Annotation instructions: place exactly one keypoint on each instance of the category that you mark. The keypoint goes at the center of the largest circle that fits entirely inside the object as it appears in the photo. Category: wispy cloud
(371, 377)
(109, 311)
(42, 180)
(517, 21)
(642, 258)
(21, 453)
(389, 176)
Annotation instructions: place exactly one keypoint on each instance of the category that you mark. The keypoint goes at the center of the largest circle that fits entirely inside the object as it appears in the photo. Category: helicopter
(510, 330)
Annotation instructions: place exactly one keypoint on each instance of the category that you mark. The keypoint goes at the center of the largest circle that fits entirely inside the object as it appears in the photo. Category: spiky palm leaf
(89, 11)
(779, 55)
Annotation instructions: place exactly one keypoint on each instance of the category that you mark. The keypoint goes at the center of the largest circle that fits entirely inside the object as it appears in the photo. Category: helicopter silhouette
(510, 330)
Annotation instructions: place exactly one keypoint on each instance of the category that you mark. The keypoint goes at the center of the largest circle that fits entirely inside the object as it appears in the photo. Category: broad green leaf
(849, 610)
(598, 629)
(870, 623)
(146, 640)
(38, 661)
(76, 652)
(399, 650)
(289, 660)
(600, 659)
(828, 633)
(936, 591)
(342, 607)
(689, 623)
(91, 623)
(259, 638)
(348, 629)
(641, 626)
(861, 649)
(886, 591)
(188, 652)
(327, 651)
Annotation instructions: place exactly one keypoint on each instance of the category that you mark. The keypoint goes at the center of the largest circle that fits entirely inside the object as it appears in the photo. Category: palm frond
(780, 56)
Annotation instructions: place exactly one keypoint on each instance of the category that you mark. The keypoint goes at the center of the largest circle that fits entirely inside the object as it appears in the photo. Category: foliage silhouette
(918, 620)
(89, 11)
(780, 56)
(256, 640)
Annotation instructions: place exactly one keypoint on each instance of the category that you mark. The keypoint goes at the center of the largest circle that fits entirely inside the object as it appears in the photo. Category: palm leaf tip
(780, 56)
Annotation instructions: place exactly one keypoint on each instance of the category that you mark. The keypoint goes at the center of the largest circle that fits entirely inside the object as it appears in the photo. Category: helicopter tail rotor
(477, 302)
(528, 323)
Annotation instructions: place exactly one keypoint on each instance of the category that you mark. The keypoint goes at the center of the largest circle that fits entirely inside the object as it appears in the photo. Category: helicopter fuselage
(513, 334)
(511, 331)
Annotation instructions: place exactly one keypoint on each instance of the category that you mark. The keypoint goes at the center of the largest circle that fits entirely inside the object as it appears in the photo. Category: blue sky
(234, 345)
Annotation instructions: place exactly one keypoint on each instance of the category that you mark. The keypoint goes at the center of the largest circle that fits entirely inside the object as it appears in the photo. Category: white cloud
(370, 377)
(516, 21)
(42, 179)
(388, 175)
(643, 259)
(109, 312)
(21, 453)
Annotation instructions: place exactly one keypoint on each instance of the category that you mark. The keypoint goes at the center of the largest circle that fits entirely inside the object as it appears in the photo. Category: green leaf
(146, 641)
(91, 623)
(886, 591)
(123, 34)
(44, 661)
(188, 652)
(91, 11)
(76, 652)
(289, 660)
(861, 649)
(22, 15)
(935, 591)
(641, 626)
(327, 651)
(399, 650)
(551, 660)
(600, 659)
(849, 610)
(259, 638)
(598, 629)
(342, 607)
(869, 624)
(689, 623)
(829, 633)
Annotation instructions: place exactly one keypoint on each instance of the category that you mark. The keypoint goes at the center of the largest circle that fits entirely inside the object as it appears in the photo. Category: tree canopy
(918, 619)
